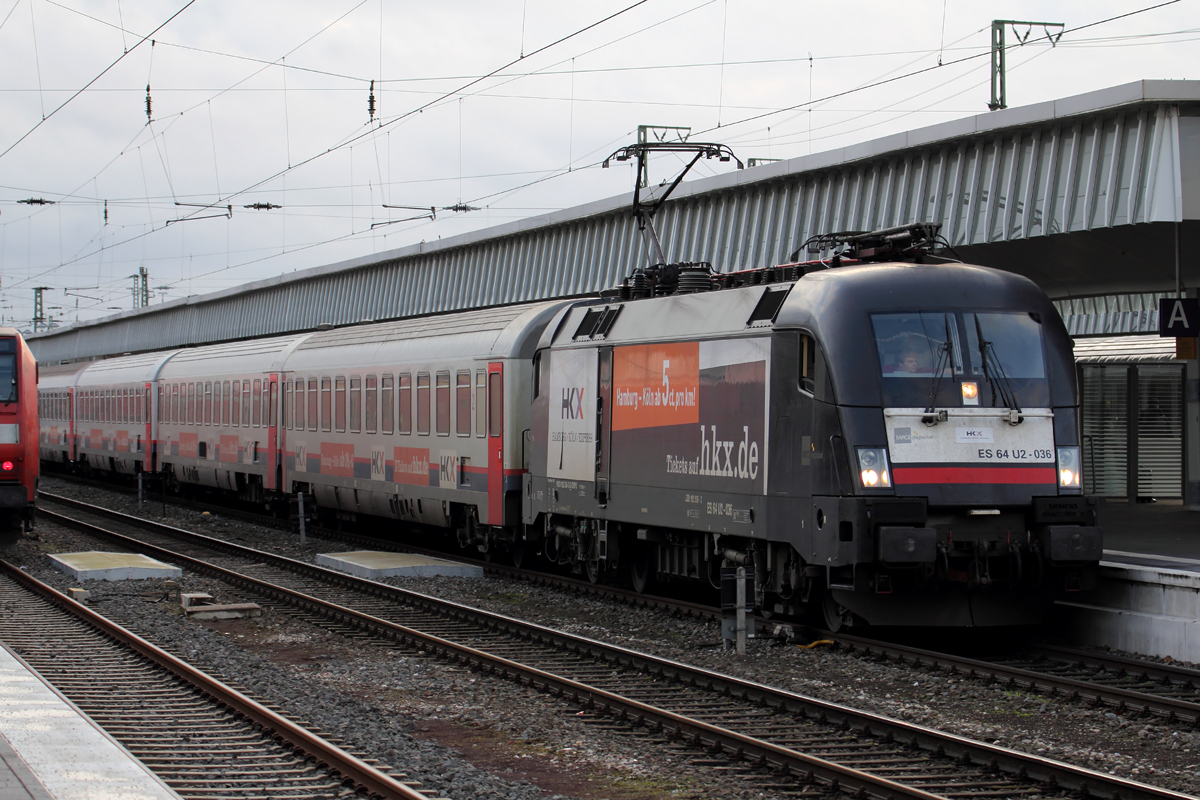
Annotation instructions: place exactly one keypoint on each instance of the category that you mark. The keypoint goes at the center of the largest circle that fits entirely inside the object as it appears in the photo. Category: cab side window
(812, 372)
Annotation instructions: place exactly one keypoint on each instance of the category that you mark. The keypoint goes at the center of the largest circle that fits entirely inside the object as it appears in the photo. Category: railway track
(801, 746)
(206, 740)
(1127, 686)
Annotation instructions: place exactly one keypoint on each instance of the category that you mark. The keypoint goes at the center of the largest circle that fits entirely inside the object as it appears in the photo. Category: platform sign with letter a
(1178, 317)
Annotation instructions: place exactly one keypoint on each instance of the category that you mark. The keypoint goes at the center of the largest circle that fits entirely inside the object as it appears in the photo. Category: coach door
(603, 420)
(495, 443)
(271, 423)
(147, 416)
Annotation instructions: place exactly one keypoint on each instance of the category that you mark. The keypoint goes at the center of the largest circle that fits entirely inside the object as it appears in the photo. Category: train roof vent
(597, 322)
(768, 308)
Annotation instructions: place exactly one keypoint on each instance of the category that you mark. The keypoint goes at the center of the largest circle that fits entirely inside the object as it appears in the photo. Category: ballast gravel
(397, 705)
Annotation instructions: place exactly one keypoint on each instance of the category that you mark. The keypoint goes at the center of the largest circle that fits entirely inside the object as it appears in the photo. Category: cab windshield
(8, 371)
(925, 357)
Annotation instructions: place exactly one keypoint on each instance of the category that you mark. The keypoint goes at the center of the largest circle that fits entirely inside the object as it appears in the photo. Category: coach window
(144, 406)
(404, 393)
(191, 403)
(387, 404)
(267, 397)
(255, 415)
(339, 404)
(462, 411)
(326, 404)
(481, 402)
(355, 404)
(443, 403)
(287, 405)
(312, 404)
(371, 409)
(246, 404)
(236, 419)
(174, 403)
(423, 403)
(273, 404)
(495, 403)
(300, 405)
(208, 398)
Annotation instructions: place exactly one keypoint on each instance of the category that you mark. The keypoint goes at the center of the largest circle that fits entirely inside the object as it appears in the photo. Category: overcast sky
(267, 102)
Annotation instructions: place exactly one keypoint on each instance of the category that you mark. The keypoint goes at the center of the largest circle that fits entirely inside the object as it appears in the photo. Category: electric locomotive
(18, 431)
(890, 442)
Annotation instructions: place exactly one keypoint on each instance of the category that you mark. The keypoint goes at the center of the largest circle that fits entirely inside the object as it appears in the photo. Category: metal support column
(1191, 429)
(1131, 433)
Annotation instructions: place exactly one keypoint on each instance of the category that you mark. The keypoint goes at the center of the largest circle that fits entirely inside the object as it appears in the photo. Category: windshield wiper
(945, 352)
(995, 375)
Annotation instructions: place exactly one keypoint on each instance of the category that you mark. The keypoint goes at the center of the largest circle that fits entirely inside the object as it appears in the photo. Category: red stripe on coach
(1026, 475)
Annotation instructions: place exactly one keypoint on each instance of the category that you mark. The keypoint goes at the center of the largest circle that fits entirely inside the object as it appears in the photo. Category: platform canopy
(1085, 195)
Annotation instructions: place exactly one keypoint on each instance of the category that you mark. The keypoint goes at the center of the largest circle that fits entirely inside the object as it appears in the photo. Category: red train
(18, 431)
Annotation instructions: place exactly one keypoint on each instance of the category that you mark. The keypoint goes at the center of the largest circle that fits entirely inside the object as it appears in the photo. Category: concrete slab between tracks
(112, 566)
(378, 564)
(50, 750)
(1141, 608)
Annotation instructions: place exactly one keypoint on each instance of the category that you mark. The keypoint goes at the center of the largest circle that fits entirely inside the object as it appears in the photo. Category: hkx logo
(572, 403)
(972, 435)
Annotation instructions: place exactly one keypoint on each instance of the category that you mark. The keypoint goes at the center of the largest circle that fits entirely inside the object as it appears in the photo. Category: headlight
(873, 468)
(1070, 470)
(970, 393)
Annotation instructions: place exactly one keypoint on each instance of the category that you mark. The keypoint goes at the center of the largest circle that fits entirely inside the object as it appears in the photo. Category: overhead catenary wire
(777, 138)
(356, 138)
(85, 87)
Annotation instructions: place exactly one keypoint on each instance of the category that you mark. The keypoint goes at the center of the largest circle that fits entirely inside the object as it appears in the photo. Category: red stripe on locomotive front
(1022, 475)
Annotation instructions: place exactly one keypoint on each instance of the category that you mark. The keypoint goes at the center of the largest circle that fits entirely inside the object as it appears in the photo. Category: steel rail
(1055, 686)
(1051, 774)
(1149, 669)
(283, 730)
(1073, 689)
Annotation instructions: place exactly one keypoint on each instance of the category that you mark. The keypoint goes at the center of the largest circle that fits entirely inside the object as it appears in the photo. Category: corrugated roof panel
(1125, 349)
(1111, 165)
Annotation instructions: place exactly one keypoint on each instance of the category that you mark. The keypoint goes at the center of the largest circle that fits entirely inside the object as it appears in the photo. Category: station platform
(376, 564)
(49, 750)
(1148, 597)
(101, 566)
(1164, 533)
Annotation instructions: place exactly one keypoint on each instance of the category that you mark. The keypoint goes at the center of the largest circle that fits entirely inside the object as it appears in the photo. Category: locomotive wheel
(833, 611)
(641, 569)
(592, 569)
(518, 554)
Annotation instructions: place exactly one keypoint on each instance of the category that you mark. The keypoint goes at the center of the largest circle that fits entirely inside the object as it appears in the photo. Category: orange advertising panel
(656, 385)
(411, 466)
(227, 448)
(337, 459)
(189, 445)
